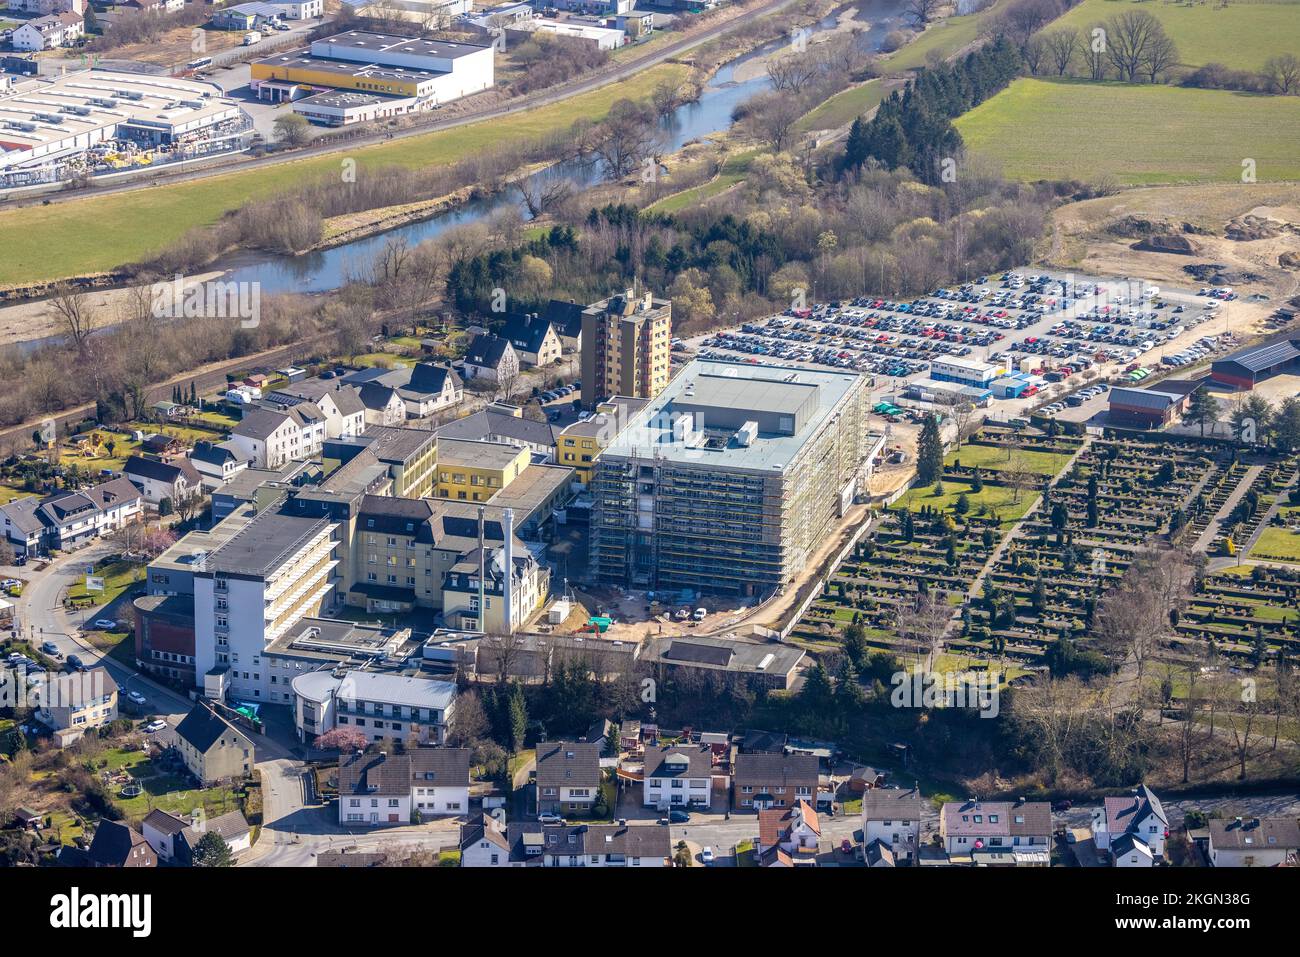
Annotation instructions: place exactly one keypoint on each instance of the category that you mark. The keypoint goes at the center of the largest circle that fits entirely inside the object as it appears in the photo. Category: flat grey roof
(649, 433)
(261, 544)
(380, 43)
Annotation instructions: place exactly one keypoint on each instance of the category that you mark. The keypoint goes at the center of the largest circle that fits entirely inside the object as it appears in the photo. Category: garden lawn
(1277, 542)
(1070, 129)
(102, 232)
(118, 576)
(1241, 35)
(998, 500)
(992, 458)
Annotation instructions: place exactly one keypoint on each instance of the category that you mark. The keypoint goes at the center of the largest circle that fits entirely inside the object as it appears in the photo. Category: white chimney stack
(508, 527)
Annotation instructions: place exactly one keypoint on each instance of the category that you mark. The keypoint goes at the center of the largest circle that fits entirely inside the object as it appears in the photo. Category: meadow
(100, 233)
(1139, 135)
(1242, 35)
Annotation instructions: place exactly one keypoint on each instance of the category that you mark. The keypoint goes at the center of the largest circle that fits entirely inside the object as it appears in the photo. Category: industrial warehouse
(354, 77)
(730, 480)
(1249, 367)
(97, 121)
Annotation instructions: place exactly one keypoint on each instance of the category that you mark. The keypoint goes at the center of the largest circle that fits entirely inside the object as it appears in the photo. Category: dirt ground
(1081, 241)
(177, 46)
(36, 320)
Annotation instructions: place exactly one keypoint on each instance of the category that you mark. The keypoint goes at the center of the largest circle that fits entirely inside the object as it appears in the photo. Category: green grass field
(1143, 135)
(943, 38)
(845, 107)
(1000, 501)
(1241, 35)
(99, 233)
(733, 171)
(1278, 543)
(989, 457)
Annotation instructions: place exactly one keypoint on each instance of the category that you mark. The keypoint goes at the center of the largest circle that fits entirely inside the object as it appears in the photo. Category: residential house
(431, 389)
(491, 358)
(374, 789)
(485, 842)
(892, 817)
(270, 438)
(175, 481)
(43, 8)
(534, 339)
(218, 462)
(155, 6)
(345, 414)
(396, 788)
(679, 776)
(766, 780)
(439, 781)
(72, 704)
(212, 748)
(116, 845)
(997, 832)
(68, 520)
(606, 845)
(50, 32)
(877, 853)
(422, 390)
(568, 777)
(1254, 842)
(1138, 815)
(382, 404)
(796, 830)
(175, 839)
(565, 316)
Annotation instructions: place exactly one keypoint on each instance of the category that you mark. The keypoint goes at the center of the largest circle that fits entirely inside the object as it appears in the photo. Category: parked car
(49, 648)
(678, 817)
(157, 724)
(700, 614)
(550, 817)
(706, 855)
(104, 624)
(135, 697)
(75, 663)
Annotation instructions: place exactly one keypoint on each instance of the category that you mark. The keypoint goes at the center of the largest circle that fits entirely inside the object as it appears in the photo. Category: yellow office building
(471, 471)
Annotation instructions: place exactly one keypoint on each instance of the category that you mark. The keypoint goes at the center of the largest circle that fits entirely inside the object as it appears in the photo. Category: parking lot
(1054, 332)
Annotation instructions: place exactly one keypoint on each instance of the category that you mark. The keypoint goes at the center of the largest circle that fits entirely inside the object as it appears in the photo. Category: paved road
(42, 617)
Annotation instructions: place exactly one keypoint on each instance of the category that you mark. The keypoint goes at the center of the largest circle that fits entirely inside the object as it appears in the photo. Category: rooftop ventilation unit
(129, 95)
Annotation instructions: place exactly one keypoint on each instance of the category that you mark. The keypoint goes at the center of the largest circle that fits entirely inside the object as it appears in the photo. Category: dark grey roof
(22, 514)
(441, 767)
(480, 829)
(389, 515)
(487, 424)
(261, 544)
(682, 649)
(203, 727)
(214, 453)
(377, 396)
(879, 853)
(1126, 843)
(566, 317)
(757, 740)
(431, 378)
(1143, 398)
(526, 331)
(1262, 358)
(230, 826)
(585, 840)
(887, 804)
(259, 423)
(113, 843)
(567, 764)
(486, 350)
(698, 763)
(158, 471)
(375, 774)
(780, 770)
